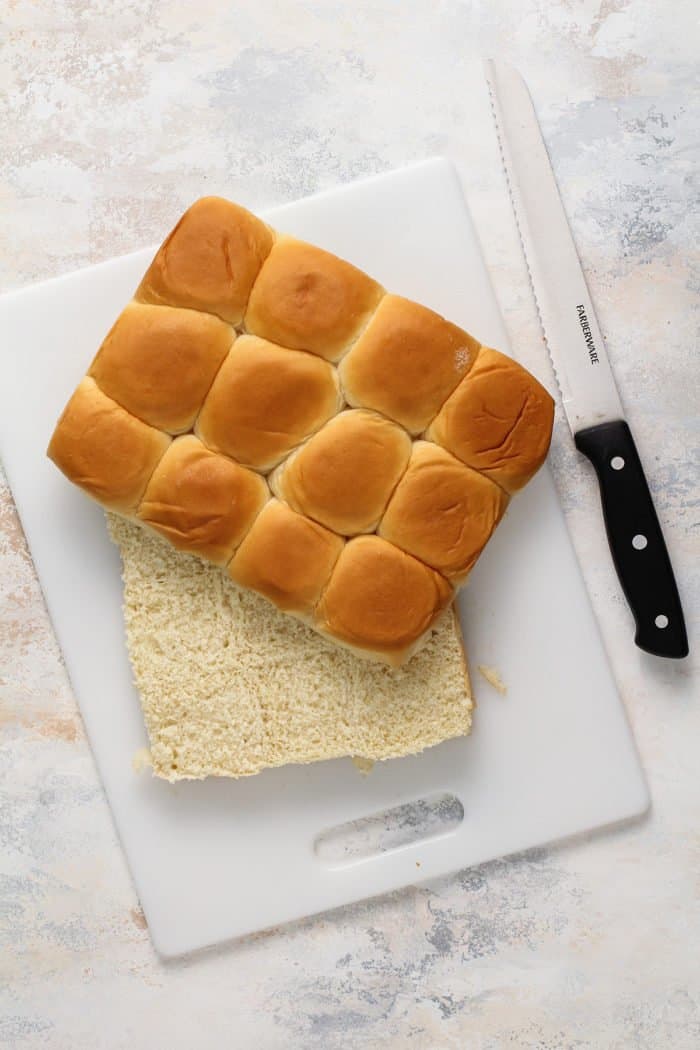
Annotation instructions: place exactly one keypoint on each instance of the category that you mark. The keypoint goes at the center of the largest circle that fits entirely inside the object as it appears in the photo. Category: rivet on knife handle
(636, 541)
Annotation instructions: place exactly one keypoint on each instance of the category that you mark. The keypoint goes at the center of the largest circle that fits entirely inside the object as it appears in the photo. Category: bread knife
(590, 398)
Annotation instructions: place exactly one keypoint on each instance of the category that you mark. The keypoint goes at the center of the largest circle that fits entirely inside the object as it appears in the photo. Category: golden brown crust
(209, 261)
(407, 362)
(265, 400)
(344, 475)
(498, 420)
(286, 558)
(308, 299)
(104, 449)
(442, 512)
(380, 599)
(159, 362)
(203, 503)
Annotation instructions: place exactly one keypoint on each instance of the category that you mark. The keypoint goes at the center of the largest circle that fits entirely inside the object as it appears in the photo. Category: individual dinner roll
(380, 600)
(265, 400)
(442, 512)
(407, 362)
(209, 261)
(202, 502)
(287, 558)
(498, 420)
(104, 449)
(308, 299)
(159, 362)
(344, 475)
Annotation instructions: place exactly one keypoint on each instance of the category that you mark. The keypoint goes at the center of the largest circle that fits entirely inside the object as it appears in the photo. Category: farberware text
(586, 329)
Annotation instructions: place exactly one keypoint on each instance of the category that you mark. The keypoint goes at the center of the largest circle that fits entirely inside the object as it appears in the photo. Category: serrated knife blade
(568, 320)
(589, 394)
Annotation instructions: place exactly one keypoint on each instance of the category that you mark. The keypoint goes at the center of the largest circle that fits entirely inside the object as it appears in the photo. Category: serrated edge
(559, 375)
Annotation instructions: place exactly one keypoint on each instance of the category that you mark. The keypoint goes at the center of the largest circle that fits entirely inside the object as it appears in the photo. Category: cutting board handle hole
(392, 829)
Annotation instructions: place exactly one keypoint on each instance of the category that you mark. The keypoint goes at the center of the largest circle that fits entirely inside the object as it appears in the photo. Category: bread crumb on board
(141, 760)
(493, 677)
(364, 765)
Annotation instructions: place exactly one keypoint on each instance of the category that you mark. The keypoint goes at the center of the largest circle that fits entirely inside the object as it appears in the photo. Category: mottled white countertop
(117, 115)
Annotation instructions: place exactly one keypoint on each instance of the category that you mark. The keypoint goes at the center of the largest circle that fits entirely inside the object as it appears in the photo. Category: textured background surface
(114, 117)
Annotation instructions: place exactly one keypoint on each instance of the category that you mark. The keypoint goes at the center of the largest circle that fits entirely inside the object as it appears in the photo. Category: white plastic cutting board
(216, 859)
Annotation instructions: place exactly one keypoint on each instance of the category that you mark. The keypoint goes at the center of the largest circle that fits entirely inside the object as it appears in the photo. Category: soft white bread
(443, 512)
(498, 421)
(209, 261)
(406, 362)
(229, 687)
(203, 503)
(241, 350)
(265, 400)
(308, 299)
(345, 474)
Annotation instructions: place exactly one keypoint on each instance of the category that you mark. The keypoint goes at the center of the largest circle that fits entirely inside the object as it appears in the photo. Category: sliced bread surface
(229, 686)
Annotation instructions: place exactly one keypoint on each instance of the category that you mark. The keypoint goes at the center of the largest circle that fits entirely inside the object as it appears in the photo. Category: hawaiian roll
(498, 420)
(159, 362)
(265, 400)
(408, 360)
(104, 449)
(287, 558)
(308, 299)
(209, 261)
(380, 601)
(442, 512)
(202, 502)
(344, 475)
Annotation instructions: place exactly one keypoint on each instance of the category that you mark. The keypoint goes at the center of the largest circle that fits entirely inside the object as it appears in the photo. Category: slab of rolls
(340, 450)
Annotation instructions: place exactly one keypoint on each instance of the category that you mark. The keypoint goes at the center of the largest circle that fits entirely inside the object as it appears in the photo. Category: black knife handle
(636, 541)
